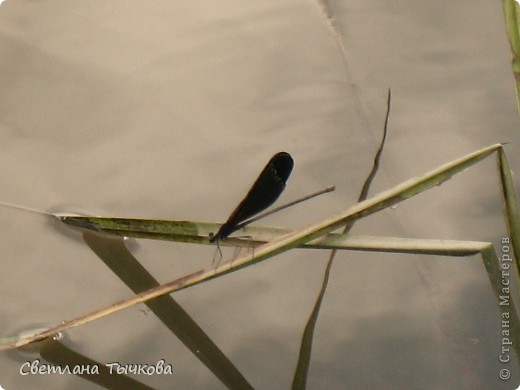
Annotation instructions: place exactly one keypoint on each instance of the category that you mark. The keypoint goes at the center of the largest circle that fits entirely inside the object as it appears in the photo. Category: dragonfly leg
(218, 255)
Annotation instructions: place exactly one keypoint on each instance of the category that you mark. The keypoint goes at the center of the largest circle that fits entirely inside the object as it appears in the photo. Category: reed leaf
(511, 11)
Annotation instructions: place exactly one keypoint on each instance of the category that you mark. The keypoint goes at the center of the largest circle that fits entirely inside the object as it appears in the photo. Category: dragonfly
(266, 189)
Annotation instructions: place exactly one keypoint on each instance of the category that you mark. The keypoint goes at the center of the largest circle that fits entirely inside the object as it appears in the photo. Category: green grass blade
(197, 232)
(302, 368)
(506, 303)
(304, 357)
(399, 245)
(511, 11)
(153, 229)
(510, 206)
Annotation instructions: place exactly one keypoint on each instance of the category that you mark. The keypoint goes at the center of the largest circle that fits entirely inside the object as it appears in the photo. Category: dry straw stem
(280, 244)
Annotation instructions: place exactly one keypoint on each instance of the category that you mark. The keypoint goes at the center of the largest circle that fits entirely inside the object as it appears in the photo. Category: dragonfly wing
(264, 192)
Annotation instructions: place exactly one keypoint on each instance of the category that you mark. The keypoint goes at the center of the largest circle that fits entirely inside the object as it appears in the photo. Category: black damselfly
(264, 192)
